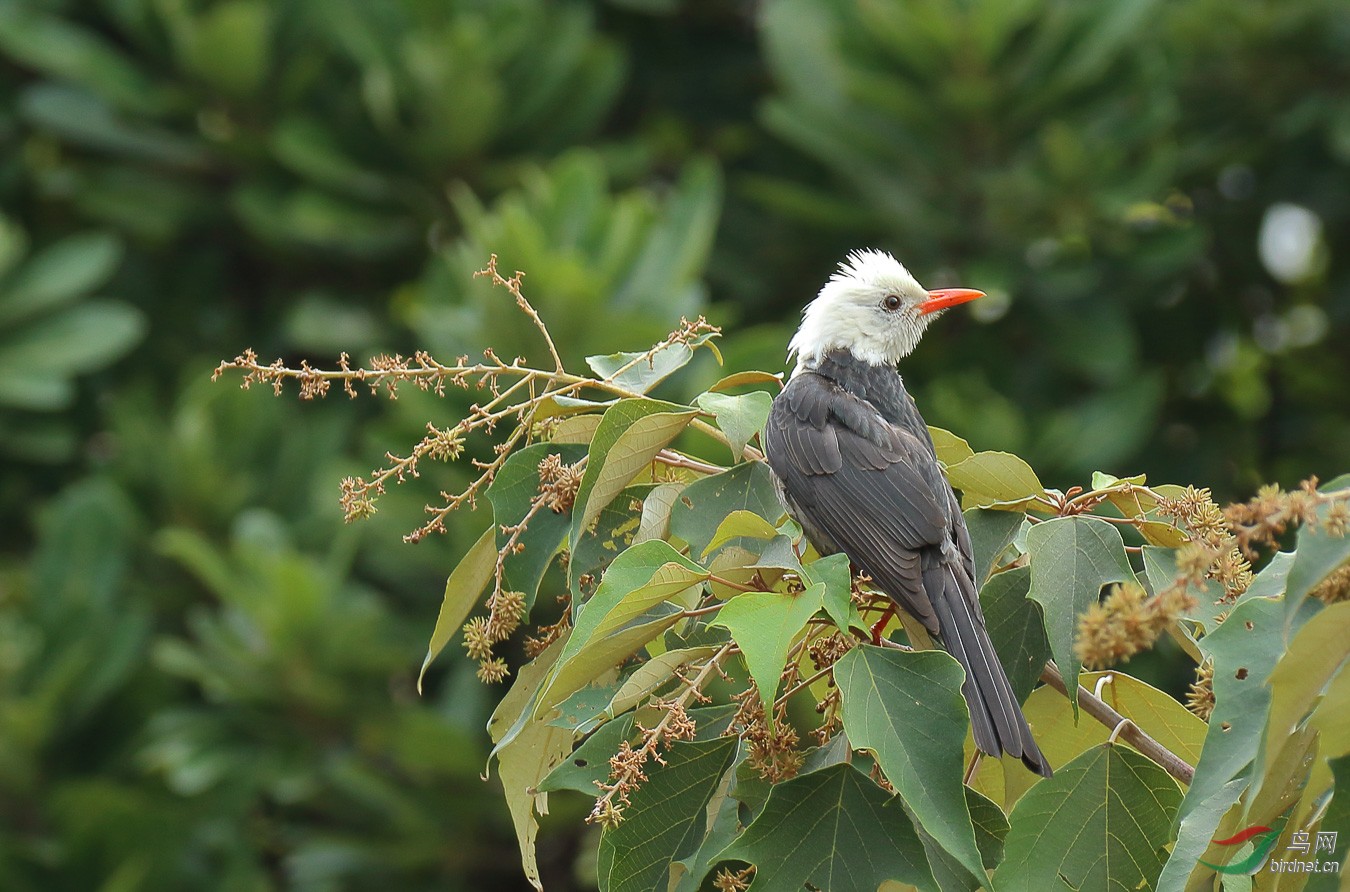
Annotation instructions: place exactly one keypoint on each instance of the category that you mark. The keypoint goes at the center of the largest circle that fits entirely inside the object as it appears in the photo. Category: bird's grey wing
(868, 487)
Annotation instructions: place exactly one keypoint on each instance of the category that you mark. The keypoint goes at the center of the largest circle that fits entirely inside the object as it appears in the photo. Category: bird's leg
(880, 624)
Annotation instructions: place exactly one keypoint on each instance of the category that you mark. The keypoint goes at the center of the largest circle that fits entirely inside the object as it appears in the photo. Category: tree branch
(1101, 711)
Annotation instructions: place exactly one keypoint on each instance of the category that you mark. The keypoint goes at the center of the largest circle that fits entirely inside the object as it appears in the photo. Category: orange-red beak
(943, 298)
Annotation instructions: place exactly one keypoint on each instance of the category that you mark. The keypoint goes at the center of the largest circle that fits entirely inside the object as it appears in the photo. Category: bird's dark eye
(892, 302)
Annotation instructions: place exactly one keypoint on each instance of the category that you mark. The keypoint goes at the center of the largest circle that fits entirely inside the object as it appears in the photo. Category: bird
(853, 462)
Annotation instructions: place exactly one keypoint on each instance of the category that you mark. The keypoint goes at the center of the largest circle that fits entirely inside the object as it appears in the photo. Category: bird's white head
(871, 307)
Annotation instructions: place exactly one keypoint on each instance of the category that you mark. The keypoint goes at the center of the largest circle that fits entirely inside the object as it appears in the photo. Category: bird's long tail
(996, 719)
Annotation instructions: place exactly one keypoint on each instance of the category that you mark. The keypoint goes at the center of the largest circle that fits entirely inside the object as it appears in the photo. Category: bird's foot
(880, 625)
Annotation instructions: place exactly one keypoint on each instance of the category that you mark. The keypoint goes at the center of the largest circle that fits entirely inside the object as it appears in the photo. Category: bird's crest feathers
(848, 314)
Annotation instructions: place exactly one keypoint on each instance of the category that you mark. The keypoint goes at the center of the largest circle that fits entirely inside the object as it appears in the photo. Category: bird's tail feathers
(996, 719)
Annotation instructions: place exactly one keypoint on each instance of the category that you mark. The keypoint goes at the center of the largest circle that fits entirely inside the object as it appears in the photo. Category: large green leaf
(705, 503)
(1016, 627)
(1308, 684)
(835, 829)
(740, 417)
(665, 819)
(1071, 559)
(511, 494)
(991, 828)
(620, 617)
(907, 709)
(994, 478)
(590, 761)
(628, 438)
(764, 625)
(1244, 648)
(1102, 822)
(466, 582)
(950, 448)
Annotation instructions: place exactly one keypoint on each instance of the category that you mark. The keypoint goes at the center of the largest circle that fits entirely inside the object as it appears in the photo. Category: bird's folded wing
(872, 488)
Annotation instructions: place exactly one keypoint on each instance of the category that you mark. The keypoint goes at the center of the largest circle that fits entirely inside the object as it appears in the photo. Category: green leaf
(1307, 680)
(597, 547)
(590, 761)
(1016, 627)
(37, 358)
(1160, 569)
(991, 532)
(907, 709)
(737, 525)
(1244, 649)
(528, 750)
(705, 503)
(67, 270)
(764, 625)
(1102, 822)
(835, 573)
(628, 438)
(1196, 833)
(950, 448)
(1315, 556)
(989, 479)
(619, 618)
(644, 373)
(649, 676)
(466, 582)
(835, 829)
(665, 819)
(656, 508)
(512, 492)
(1071, 559)
(740, 417)
(991, 828)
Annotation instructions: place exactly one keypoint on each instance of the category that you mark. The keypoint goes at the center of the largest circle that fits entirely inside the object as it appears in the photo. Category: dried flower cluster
(1336, 587)
(1126, 622)
(559, 482)
(1200, 697)
(772, 751)
(1213, 552)
(1261, 521)
(728, 880)
(626, 767)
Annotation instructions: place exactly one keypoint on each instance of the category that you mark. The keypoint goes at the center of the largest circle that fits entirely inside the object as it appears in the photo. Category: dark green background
(206, 679)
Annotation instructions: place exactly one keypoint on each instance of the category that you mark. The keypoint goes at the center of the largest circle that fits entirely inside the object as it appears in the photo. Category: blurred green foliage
(206, 681)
